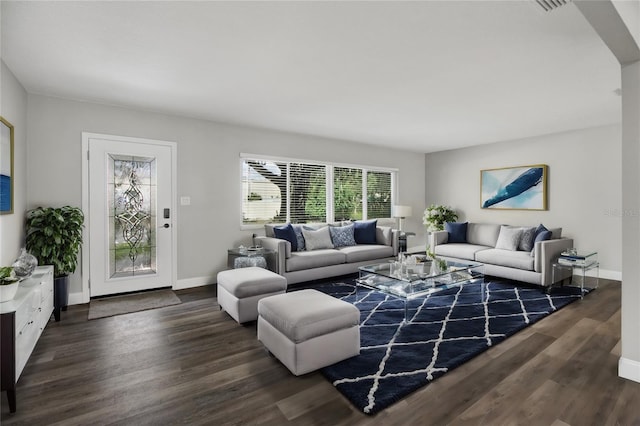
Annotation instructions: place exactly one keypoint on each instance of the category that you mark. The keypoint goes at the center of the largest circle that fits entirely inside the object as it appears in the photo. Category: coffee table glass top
(411, 281)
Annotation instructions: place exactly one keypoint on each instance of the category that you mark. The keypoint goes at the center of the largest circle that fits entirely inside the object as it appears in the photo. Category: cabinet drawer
(44, 314)
(26, 340)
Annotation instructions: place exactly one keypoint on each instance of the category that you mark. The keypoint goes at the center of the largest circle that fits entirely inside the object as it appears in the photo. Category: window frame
(329, 175)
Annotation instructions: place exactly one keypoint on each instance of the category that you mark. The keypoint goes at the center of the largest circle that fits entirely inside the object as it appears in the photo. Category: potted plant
(8, 284)
(436, 216)
(54, 237)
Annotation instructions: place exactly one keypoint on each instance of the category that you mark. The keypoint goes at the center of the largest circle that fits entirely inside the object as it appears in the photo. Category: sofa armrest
(281, 247)
(545, 253)
(437, 237)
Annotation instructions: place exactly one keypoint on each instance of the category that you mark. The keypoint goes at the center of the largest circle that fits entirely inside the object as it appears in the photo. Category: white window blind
(308, 194)
(275, 190)
(347, 193)
(378, 194)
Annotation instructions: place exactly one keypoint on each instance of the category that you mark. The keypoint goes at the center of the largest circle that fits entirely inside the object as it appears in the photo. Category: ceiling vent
(549, 5)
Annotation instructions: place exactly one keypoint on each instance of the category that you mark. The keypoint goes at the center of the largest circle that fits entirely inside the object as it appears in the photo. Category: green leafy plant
(435, 217)
(7, 276)
(54, 237)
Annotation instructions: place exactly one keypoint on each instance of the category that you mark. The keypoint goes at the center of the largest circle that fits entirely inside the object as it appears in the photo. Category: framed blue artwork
(514, 188)
(6, 167)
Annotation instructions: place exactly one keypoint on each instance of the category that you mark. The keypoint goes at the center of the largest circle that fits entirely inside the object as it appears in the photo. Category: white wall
(208, 170)
(14, 109)
(584, 186)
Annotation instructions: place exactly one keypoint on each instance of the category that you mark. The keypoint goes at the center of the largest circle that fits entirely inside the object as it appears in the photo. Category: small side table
(244, 257)
(402, 240)
(576, 264)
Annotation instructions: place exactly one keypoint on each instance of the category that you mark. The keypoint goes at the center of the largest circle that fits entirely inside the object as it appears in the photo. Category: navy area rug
(444, 331)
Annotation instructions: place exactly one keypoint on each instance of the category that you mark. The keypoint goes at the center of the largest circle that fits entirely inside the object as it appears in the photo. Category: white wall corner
(193, 282)
(629, 369)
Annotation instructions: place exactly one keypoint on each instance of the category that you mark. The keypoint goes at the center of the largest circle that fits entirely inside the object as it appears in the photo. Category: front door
(131, 230)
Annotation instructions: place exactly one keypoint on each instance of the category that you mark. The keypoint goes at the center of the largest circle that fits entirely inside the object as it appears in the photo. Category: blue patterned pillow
(299, 237)
(342, 236)
(286, 232)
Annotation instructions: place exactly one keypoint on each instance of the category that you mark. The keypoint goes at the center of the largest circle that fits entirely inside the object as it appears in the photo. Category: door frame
(86, 246)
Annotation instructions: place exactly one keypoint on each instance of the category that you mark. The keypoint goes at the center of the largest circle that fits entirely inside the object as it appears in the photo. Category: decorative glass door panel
(130, 209)
(132, 215)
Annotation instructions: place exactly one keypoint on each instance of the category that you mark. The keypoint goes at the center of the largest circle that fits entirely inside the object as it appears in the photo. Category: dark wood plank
(192, 364)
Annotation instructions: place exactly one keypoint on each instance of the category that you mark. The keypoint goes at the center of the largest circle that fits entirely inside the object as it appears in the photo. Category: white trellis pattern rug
(442, 332)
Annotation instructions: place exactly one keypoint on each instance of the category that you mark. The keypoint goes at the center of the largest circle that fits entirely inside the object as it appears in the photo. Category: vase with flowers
(434, 218)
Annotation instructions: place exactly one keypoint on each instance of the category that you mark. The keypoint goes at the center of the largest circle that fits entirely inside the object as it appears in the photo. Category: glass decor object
(132, 216)
(25, 264)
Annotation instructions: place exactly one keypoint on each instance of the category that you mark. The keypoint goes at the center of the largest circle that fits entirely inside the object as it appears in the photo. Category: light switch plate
(185, 201)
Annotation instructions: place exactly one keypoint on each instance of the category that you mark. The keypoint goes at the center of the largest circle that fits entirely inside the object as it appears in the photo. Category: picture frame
(6, 166)
(514, 188)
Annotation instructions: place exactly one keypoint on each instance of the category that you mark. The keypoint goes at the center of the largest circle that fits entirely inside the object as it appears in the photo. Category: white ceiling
(423, 76)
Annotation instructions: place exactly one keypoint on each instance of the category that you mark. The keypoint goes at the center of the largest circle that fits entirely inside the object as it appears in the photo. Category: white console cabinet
(21, 323)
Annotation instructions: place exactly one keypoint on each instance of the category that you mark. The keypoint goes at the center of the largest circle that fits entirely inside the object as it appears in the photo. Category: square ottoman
(307, 330)
(239, 290)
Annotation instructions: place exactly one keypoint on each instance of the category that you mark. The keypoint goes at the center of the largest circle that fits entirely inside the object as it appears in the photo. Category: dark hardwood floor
(192, 364)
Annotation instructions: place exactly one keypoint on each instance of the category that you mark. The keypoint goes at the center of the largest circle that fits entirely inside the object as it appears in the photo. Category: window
(378, 194)
(347, 193)
(276, 190)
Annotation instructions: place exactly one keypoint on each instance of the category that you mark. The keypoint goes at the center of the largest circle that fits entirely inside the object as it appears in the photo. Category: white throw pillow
(509, 238)
(317, 239)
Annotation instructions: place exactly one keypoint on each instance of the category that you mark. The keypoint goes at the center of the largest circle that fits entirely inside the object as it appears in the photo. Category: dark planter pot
(60, 295)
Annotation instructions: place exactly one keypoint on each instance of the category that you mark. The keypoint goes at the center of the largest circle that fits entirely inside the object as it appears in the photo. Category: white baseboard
(76, 298)
(629, 369)
(193, 282)
(606, 274)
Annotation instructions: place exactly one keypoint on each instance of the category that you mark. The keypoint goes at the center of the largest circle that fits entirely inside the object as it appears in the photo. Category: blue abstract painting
(523, 188)
(6, 167)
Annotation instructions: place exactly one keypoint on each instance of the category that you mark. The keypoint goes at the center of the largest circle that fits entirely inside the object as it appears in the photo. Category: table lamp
(401, 212)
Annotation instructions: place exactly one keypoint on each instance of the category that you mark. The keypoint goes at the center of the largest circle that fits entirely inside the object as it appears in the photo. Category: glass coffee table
(408, 282)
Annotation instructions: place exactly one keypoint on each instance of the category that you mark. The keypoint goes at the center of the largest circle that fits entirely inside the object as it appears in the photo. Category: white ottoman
(239, 290)
(307, 330)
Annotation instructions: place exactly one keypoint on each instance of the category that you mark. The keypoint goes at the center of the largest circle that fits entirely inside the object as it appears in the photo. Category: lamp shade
(401, 211)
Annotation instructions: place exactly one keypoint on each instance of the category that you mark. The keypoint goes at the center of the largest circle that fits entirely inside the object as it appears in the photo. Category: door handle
(166, 225)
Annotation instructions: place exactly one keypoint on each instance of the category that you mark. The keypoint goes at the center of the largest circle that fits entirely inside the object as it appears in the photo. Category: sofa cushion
(365, 231)
(508, 258)
(457, 231)
(509, 238)
(527, 238)
(383, 235)
(555, 233)
(317, 239)
(314, 259)
(286, 232)
(483, 234)
(299, 237)
(364, 252)
(342, 236)
(459, 250)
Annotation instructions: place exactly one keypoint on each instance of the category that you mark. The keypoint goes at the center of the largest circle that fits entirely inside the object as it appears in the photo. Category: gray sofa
(533, 267)
(300, 266)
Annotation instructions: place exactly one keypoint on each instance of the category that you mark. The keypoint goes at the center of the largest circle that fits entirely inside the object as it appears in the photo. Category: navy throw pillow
(457, 231)
(364, 231)
(540, 229)
(542, 236)
(286, 232)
